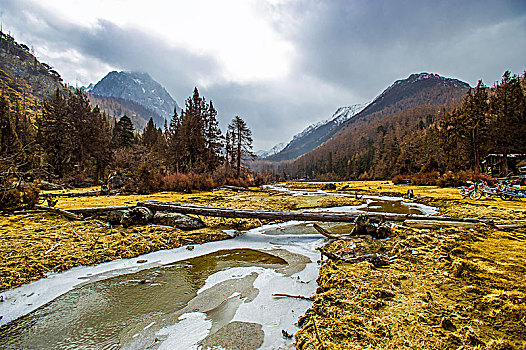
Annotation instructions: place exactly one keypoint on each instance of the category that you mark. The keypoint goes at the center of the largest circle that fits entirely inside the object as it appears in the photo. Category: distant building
(494, 164)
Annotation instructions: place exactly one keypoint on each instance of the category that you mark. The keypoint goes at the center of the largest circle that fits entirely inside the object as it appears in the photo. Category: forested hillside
(417, 90)
(66, 139)
(453, 136)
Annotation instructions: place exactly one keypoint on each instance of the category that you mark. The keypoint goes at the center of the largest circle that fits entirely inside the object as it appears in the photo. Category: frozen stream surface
(217, 296)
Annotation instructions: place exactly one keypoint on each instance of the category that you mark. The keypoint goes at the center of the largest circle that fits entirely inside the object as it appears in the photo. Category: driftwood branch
(316, 331)
(326, 233)
(79, 236)
(378, 260)
(98, 210)
(291, 296)
(62, 212)
(52, 249)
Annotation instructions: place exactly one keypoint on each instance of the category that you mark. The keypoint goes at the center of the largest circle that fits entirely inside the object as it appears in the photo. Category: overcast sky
(280, 65)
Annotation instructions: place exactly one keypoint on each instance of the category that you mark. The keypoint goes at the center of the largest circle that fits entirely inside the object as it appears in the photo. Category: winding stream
(218, 295)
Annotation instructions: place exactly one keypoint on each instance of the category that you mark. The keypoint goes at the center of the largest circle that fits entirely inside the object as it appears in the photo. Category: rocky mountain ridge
(314, 134)
(22, 75)
(138, 87)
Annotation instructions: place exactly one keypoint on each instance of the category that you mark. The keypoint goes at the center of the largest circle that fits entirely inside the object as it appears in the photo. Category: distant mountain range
(313, 136)
(25, 79)
(133, 90)
(416, 90)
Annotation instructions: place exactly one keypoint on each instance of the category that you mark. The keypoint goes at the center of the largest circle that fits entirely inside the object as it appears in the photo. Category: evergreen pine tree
(173, 142)
(239, 141)
(213, 138)
(54, 135)
(149, 135)
(9, 142)
(475, 126)
(123, 133)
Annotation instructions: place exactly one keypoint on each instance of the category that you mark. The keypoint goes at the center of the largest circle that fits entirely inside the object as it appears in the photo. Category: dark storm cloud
(366, 45)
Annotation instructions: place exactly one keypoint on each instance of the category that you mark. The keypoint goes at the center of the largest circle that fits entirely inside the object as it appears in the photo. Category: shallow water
(99, 312)
(217, 295)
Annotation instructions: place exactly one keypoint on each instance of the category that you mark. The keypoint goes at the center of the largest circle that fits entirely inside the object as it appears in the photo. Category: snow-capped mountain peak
(323, 129)
(274, 150)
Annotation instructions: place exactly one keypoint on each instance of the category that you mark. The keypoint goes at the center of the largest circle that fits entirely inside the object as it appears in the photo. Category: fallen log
(507, 227)
(247, 213)
(240, 189)
(292, 215)
(435, 224)
(99, 210)
(79, 194)
(62, 212)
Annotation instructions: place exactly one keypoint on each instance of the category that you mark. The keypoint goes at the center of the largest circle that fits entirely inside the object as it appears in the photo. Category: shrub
(456, 179)
(425, 179)
(181, 182)
(30, 197)
(148, 178)
(401, 179)
(10, 199)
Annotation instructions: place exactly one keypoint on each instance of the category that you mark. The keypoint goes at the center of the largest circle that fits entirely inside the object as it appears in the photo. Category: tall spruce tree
(149, 135)
(239, 144)
(213, 138)
(191, 134)
(476, 108)
(54, 135)
(123, 133)
(9, 142)
(80, 121)
(173, 156)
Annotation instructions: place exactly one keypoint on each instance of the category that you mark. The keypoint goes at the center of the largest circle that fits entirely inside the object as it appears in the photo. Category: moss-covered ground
(450, 288)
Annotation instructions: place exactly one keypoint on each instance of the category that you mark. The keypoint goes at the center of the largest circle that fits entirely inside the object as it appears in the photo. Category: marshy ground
(450, 288)
(453, 287)
(33, 244)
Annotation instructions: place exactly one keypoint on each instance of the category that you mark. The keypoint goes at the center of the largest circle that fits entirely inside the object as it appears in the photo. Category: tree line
(490, 120)
(72, 142)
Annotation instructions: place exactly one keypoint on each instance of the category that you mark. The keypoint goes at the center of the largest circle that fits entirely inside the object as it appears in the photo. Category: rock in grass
(180, 221)
(329, 186)
(136, 216)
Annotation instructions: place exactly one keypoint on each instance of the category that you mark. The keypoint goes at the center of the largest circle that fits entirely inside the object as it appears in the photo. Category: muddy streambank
(450, 288)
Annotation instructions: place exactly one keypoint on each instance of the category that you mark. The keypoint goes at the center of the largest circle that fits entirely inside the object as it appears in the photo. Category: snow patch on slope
(341, 115)
(274, 150)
